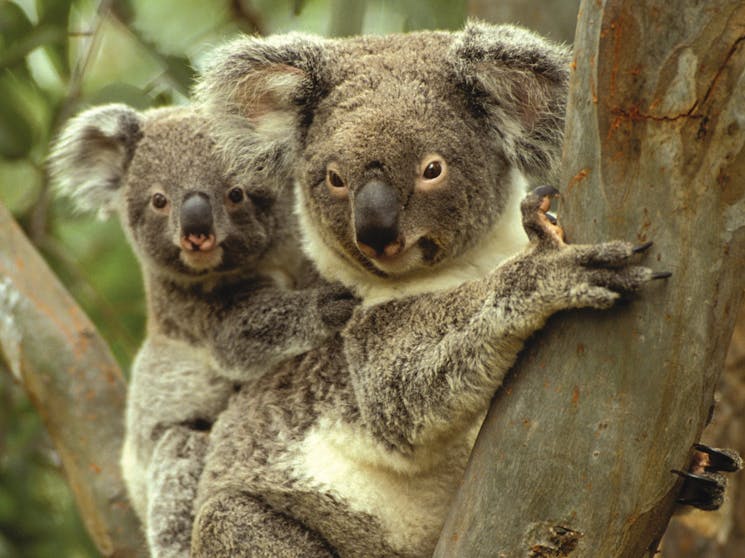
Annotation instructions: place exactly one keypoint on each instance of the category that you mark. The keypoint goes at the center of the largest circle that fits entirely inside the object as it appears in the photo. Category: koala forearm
(253, 335)
(448, 363)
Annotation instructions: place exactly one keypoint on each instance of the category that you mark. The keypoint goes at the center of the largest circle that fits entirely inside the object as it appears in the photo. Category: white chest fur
(506, 238)
(409, 497)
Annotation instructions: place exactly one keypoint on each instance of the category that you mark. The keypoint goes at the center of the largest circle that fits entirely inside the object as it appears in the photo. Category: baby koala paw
(704, 485)
(582, 275)
(336, 304)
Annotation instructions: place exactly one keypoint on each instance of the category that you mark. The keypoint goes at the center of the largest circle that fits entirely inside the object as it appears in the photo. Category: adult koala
(411, 155)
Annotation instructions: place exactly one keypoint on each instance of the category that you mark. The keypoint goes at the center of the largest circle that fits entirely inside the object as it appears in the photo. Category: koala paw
(184, 442)
(336, 304)
(703, 484)
(592, 275)
(541, 226)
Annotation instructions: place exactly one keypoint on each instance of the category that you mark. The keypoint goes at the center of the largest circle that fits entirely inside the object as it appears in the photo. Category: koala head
(184, 215)
(410, 152)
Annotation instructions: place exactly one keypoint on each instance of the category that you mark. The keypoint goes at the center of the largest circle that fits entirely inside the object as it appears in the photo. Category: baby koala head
(185, 216)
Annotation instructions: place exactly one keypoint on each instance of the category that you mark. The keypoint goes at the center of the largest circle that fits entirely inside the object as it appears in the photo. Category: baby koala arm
(427, 366)
(251, 330)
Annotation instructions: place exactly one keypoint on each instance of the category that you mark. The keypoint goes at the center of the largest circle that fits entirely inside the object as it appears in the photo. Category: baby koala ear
(89, 159)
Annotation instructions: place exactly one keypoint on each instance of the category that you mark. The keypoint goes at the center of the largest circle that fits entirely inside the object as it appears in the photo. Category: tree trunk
(70, 376)
(575, 455)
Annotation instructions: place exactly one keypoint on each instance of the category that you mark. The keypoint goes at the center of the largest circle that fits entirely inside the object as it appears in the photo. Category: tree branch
(73, 381)
(575, 455)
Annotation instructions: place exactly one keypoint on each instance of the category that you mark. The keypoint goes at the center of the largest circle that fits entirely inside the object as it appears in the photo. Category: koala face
(407, 150)
(185, 216)
(394, 168)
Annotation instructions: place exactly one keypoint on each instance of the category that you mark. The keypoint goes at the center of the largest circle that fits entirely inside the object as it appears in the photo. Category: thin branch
(71, 378)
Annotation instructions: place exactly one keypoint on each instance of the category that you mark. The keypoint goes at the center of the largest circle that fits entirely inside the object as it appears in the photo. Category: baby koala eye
(235, 195)
(159, 201)
(335, 182)
(432, 173)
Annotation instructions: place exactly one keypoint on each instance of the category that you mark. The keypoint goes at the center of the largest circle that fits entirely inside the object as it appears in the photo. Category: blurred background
(60, 56)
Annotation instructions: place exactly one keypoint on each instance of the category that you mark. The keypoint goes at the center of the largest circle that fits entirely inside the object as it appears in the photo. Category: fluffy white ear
(256, 92)
(90, 157)
(520, 80)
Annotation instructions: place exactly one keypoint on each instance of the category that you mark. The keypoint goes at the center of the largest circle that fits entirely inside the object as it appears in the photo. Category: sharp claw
(706, 505)
(693, 476)
(721, 459)
(642, 247)
(552, 218)
(705, 491)
(661, 274)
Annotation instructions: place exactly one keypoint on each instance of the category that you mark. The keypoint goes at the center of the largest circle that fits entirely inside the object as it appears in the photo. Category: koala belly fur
(306, 453)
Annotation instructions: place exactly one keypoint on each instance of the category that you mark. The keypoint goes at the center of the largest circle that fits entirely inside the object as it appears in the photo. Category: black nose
(196, 214)
(376, 215)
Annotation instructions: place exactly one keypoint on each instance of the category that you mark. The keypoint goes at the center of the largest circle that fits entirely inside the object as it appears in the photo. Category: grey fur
(116, 159)
(355, 449)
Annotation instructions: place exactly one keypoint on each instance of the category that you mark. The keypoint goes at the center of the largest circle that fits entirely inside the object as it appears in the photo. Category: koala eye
(235, 195)
(159, 201)
(433, 171)
(335, 182)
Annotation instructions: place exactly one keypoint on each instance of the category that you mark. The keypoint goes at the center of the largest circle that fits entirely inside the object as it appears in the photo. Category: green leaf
(119, 92)
(13, 22)
(14, 25)
(16, 128)
(180, 71)
(55, 14)
(38, 36)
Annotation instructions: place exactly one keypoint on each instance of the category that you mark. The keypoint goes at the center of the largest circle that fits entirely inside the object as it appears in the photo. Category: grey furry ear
(520, 80)
(89, 158)
(257, 92)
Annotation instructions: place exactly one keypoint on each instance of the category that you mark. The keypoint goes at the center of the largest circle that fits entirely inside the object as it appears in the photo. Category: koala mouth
(401, 258)
(200, 251)
(198, 242)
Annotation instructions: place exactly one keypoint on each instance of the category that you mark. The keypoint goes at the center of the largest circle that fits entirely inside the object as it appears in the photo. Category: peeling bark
(70, 376)
(601, 406)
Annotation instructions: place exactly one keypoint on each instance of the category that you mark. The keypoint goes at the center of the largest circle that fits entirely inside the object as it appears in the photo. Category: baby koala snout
(197, 224)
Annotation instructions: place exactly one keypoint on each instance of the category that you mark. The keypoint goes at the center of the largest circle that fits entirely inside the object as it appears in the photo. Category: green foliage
(57, 57)
(36, 508)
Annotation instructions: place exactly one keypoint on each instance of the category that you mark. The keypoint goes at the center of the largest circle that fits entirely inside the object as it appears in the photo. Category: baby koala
(221, 260)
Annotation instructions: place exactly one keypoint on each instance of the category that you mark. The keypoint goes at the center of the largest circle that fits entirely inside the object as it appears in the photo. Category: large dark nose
(196, 215)
(376, 219)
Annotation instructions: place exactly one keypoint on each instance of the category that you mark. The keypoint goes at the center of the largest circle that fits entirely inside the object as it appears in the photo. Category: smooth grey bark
(575, 455)
(70, 376)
